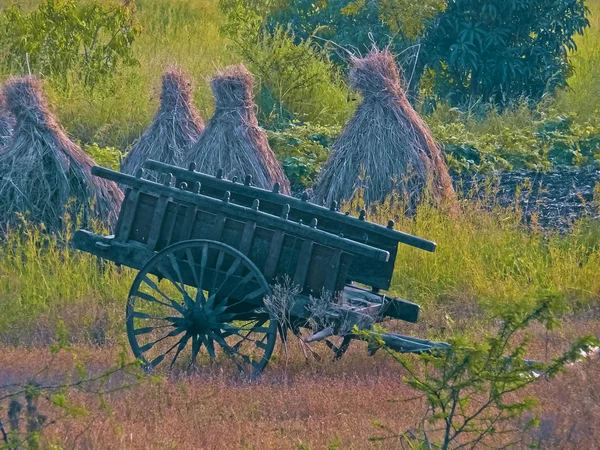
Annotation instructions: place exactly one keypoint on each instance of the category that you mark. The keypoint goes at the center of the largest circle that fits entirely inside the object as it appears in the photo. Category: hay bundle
(176, 126)
(7, 123)
(386, 146)
(42, 173)
(233, 141)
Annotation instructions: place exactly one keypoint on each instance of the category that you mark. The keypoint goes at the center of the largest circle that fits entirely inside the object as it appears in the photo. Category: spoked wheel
(201, 301)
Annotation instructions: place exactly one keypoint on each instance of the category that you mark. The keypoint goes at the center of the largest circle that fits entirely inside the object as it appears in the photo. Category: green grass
(43, 281)
(484, 259)
(175, 32)
(583, 95)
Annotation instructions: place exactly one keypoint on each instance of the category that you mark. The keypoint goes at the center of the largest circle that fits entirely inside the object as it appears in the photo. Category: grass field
(485, 260)
(309, 405)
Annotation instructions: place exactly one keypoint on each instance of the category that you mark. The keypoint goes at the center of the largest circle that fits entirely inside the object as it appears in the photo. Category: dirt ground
(298, 404)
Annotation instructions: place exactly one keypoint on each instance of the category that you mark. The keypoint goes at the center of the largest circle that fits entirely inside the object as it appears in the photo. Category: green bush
(473, 392)
(356, 24)
(109, 157)
(520, 138)
(296, 80)
(64, 38)
(302, 150)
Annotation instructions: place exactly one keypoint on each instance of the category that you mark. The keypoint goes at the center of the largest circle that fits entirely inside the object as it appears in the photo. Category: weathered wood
(367, 271)
(252, 192)
(245, 214)
(392, 307)
(133, 255)
(157, 221)
(303, 263)
(274, 254)
(127, 214)
(188, 222)
(333, 272)
(218, 226)
(247, 236)
(170, 228)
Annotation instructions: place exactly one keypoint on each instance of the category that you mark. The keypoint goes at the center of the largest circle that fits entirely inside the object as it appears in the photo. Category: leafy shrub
(296, 80)
(521, 138)
(470, 389)
(502, 50)
(64, 36)
(109, 157)
(302, 150)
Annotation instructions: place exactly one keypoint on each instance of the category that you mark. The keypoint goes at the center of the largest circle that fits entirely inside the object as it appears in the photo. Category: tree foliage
(357, 24)
(296, 79)
(66, 37)
(502, 50)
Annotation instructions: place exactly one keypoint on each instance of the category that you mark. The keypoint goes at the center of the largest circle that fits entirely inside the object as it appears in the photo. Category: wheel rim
(172, 322)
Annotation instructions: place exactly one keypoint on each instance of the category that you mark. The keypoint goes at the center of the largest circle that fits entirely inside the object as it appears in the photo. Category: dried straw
(386, 146)
(7, 123)
(233, 141)
(43, 174)
(176, 127)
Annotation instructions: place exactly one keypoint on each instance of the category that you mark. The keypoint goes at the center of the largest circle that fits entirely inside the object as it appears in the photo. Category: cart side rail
(242, 213)
(190, 176)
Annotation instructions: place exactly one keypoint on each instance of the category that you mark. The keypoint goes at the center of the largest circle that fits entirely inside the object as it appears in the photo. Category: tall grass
(485, 258)
(42, 281)
(583, 95)
(175, 32)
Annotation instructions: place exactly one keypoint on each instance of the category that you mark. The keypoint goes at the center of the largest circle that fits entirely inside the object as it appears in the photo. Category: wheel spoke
(196, 343)
(232, 269)
(141, 315)
(150, 298)
(167, 274)
(210, 346)
(149, 345)
(200, 299)
(144, 330)
(241, 282)
(186, 297)
(227, 349)
(228, 287)
(182, 343)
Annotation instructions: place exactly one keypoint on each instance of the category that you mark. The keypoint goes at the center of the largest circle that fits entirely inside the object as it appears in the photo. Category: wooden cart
(210, 252)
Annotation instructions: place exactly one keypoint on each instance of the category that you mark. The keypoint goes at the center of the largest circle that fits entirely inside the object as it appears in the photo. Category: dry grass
(7, 123)
(176, 126)
(316, 404)
(386, 146)
(43, 174)
(233, 141)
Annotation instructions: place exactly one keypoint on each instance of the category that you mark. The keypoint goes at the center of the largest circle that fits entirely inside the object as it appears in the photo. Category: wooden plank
(303, 263)
(218, 226)
(127, 215)
(171, 226)
(332, 272)
(247, 237)
(133, 255)
(243, 214)
(119, 223)
(188, 222)
(157, 221)
(274, 254)
(320, 212)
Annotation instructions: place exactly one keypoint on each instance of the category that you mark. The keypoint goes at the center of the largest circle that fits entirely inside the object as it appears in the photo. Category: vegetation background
(486, 257)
